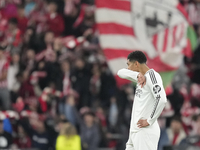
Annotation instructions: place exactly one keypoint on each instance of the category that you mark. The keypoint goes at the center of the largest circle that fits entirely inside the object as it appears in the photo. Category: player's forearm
(158, 108)
(128, 74)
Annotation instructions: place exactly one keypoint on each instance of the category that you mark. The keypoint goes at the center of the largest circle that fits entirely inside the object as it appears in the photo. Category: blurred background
(58, 63)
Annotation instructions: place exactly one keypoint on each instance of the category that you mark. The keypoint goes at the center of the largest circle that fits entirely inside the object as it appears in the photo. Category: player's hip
(150, 129)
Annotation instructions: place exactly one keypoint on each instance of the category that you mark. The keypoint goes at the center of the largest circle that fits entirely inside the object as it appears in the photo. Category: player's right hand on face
(141, 79)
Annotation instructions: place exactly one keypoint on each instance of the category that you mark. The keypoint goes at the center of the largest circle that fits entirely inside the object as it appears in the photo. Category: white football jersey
(149, 101)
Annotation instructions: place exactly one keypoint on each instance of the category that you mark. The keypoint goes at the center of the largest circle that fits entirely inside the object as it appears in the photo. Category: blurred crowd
(180, 121)
(57, 92)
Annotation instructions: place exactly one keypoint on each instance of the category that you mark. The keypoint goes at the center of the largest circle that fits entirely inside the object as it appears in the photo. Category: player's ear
(137, 63)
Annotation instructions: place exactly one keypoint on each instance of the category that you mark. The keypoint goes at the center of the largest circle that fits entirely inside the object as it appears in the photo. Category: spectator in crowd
(72, 11)
(7, 126)
(22, 19)
(13, 34)
(90, 135)
(68, 138)
(80, 81)
(5, 137)
(193, 9)
(55, 22)
(164, 140)
(10, 9)
(41, 138)
(30, 60)
(61, 122)
(108, 86)
(30, 4)
(22, 140)
(176, 132)
(26, 89)
(113, 113)
(29, 42)
(194, 137)
(47, 47)
(95, 82)
(65, 66)
(176, 99)
(69, 110)
(13, 84)
(100, 113)
(4, 93)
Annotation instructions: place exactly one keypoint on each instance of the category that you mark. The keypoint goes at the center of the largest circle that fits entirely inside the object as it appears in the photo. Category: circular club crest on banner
(161, 29)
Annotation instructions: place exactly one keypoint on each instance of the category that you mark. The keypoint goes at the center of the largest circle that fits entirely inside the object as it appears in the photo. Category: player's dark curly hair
(137, 56)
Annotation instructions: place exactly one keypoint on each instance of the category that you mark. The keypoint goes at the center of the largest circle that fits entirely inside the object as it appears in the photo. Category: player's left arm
(133, 76)
(154, 82)
(156, 87)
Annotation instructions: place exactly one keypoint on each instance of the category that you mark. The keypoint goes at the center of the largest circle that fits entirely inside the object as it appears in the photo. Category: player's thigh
(154, 136)
(144, 141)
(129, 144)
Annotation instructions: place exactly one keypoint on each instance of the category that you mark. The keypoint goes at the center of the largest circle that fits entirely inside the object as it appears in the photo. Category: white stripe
(167, 3)
(178, 31)
(172, 59)
(104, 15)
(160, 41)
(120, 42)
(172, 2)
(169, 40)
(182, 30)
(117, 64)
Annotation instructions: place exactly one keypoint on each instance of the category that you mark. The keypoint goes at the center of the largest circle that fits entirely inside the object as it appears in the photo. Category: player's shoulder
(153, 77)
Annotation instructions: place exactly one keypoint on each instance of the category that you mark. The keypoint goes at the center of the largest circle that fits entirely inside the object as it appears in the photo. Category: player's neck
(143, 69)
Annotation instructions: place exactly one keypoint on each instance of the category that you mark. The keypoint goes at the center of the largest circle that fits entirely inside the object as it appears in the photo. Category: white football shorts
(145, 139)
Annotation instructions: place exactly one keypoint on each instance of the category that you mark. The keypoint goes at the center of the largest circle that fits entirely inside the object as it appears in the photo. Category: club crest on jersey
(159, 27)
(156, 89)
(138, 93)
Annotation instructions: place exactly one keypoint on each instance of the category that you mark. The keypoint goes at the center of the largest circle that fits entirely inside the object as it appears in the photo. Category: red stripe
(187, 50)
(158, 65)
(174, 36)
(114, 4)
(116, 53)
(121, 81)
(113, 28)
(165, 40)
(80, 18)
(155, 38)
(183, 11)
(181, 33)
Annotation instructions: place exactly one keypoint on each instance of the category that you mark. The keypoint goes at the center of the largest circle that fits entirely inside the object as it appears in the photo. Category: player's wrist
(149, 121)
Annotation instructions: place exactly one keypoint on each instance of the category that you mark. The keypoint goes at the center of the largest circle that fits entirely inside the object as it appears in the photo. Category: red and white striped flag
(157, 27)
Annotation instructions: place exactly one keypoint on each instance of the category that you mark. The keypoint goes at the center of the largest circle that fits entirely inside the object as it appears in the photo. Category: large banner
(157, 27)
